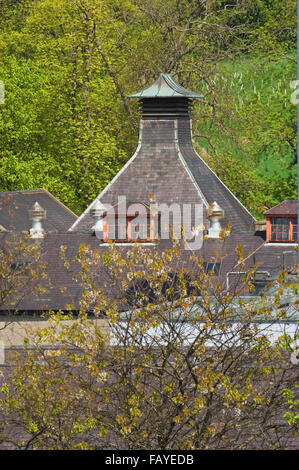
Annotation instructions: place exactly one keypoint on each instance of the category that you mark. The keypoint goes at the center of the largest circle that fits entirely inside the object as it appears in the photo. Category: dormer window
(282, 223)
(127, 229)
(125, 223)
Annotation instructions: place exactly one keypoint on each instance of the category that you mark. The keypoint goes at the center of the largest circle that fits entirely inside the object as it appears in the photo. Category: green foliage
(257, 129)
(187, 365)
(292, 416)
(22, 272)
(68, 65)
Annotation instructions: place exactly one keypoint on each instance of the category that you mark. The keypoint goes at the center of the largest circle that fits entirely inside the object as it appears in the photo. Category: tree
(68, 66)
(22, 272)
(188, 364)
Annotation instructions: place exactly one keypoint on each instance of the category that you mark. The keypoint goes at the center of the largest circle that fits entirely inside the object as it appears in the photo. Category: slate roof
(166, 165)
(287, 207)
(63, 289)
(14, 206)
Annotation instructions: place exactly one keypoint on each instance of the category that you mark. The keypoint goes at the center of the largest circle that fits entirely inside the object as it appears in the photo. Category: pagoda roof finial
(165, 87)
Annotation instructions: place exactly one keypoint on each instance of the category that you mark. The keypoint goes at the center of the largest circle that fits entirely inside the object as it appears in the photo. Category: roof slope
(287, 207)
(167, 166)
(155, 168)
(211, 186)
(14, 206)
(64, 290)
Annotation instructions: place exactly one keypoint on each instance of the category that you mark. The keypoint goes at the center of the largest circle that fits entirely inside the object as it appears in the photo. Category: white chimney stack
(97, 213)
(215, 215)
(37, 214)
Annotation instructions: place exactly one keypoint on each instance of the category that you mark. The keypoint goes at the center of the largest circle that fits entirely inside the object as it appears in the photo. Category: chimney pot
(215, 215)
(36, 214)
(97, 213)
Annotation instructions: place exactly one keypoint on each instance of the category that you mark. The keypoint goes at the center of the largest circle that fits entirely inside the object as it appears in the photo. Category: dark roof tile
(14, 206)
(287, 207)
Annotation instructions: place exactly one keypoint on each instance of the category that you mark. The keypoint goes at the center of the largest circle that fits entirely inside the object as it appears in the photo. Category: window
(259, 286)
(117, 229)
(141, 230)
(130, 229)
(279, 229)
(212, 268)
(282, 229)
(294, 222)
(18, 265)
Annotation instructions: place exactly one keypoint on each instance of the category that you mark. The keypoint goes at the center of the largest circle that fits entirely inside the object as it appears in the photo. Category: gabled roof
(287, 207)
(14, 206)
(165, 87)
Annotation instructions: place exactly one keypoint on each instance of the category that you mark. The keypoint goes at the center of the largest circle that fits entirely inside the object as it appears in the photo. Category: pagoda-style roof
(166, 164)
(165, 87)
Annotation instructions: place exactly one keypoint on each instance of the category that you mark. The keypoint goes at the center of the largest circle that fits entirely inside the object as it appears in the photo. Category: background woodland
(68, 66)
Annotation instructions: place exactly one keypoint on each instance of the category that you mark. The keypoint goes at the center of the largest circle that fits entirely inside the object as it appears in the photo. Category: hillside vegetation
(68, 66)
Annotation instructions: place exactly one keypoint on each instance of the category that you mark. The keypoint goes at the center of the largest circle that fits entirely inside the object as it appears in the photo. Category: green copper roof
(165, 87)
